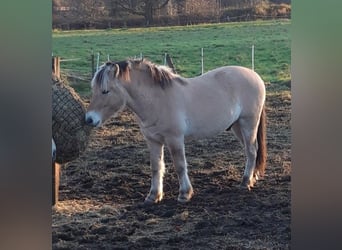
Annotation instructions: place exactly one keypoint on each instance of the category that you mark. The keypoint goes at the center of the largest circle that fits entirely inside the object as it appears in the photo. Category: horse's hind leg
(246, 131)
(237, 132)
(158, 168)
(177, 151)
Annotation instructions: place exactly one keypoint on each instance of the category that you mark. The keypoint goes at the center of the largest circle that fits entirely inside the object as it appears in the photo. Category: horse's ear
(117, 70)
(128, 66)
(122, 70)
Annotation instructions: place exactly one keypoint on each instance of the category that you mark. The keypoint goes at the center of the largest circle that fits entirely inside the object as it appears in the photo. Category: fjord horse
(171, 109)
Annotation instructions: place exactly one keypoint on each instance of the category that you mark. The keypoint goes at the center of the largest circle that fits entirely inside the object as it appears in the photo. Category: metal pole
(92, 64)
(202, 61)
(98, 60)
(253, 57)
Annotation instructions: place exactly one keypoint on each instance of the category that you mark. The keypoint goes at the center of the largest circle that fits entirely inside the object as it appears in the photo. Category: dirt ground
(102, 192)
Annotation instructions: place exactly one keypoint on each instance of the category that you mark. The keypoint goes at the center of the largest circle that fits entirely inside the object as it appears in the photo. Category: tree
(87, 11)
(145, 8)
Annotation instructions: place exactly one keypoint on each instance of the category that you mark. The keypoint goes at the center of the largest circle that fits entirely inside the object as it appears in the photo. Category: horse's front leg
(177, 151)
(158, 168)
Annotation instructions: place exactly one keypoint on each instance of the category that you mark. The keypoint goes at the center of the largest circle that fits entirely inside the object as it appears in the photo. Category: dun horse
(171, 109)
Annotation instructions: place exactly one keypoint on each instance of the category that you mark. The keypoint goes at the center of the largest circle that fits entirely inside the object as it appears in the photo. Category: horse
(171, 110)
(53, 150)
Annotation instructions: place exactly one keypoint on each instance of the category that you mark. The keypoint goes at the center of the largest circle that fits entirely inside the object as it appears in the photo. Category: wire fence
(202, 61)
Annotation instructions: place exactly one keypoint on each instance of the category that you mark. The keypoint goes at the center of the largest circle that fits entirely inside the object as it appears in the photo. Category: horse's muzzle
(92, 119)
(53, 150)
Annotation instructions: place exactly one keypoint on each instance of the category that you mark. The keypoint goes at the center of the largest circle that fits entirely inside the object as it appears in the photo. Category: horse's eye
(105, 92)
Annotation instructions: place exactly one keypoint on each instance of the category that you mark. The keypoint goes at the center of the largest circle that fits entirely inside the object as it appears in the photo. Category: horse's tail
(262, 147)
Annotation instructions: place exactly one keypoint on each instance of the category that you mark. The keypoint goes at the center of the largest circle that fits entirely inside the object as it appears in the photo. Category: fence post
(56, 66)
(169, 62)
(92, 64)
(98, 61)
(55, 182)
(253, 57)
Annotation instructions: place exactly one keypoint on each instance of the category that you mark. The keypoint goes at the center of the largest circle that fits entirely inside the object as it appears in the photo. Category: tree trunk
(148, 13)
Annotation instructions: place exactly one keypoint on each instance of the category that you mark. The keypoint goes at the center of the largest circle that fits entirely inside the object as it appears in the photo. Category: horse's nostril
(92, 119)
(54, 155)
(89, 120)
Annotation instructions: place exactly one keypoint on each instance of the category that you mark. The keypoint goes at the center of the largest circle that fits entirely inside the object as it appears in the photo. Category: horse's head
(108, 95)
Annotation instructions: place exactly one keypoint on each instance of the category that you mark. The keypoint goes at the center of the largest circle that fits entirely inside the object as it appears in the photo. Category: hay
(68, 122)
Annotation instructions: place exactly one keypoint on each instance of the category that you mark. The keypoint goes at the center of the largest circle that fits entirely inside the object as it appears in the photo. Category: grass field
(224, 44)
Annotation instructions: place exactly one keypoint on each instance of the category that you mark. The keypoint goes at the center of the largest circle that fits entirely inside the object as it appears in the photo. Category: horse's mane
(161, 75)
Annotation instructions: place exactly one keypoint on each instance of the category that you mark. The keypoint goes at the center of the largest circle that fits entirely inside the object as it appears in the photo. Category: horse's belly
(207, 128)
(196, 135)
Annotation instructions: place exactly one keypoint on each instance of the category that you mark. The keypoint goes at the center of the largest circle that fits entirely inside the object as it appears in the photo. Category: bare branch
(125, 4)
(162, 5)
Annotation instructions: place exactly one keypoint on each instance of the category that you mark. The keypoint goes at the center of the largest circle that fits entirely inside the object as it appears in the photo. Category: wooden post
(169, 62)
(56, 70)
(55, 182)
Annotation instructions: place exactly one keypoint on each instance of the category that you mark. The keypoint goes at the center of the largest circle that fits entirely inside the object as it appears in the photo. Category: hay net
(68, 123)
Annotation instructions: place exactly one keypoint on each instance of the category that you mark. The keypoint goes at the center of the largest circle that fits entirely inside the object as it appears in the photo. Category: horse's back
(236, 83)
(239, 83)
(235, 76)
(216, 99)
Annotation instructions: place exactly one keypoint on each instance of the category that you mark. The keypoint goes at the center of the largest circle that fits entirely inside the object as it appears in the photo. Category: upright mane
(161, 75)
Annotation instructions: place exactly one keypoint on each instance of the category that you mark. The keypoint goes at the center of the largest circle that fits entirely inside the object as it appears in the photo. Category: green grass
(224, 44)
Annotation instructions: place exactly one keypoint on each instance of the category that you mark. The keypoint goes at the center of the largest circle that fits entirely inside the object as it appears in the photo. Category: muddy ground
(102, 192)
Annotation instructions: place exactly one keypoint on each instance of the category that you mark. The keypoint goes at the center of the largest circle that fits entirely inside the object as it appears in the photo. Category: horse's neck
(142, 100)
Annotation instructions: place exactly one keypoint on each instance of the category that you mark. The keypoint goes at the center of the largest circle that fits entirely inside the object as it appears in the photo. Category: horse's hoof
(153, 199)
(247, 183)
(244, 186)
(185, 197)
(182, 199)
(148, 202)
